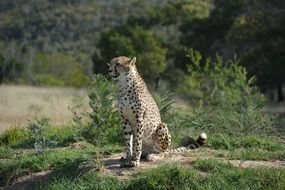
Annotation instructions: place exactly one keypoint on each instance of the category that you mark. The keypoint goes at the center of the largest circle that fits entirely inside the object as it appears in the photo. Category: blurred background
(49, 49)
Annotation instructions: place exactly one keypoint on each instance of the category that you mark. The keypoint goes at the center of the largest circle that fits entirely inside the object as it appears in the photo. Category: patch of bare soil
(26, 182)
(257, 164)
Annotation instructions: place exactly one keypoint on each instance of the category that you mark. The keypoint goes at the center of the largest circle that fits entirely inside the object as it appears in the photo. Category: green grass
(77, 167)
(247, 147)
(18, 161)
(63, 135)
(246, 141)
(239, 154)
(256, 154)
(6, 152)
(205, 174)
(22, 137)
(212, 165)
(55, 159)
(90, 180)
(13, 136)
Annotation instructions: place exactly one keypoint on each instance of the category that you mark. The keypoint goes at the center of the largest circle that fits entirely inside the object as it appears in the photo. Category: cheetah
(145, 134)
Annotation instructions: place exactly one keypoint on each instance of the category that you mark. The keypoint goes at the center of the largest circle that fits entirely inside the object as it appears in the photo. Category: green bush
(220, 83)
(233, 122)
(225, 100)
(106, 125)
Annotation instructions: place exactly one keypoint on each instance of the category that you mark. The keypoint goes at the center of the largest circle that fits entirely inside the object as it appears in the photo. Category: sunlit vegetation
(218, 57)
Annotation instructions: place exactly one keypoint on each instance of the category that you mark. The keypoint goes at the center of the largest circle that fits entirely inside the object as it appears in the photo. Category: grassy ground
(204, 174)
(79, 165)
(72, 168)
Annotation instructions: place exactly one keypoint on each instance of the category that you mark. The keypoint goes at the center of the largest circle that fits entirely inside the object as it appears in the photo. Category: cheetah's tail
(189, 143)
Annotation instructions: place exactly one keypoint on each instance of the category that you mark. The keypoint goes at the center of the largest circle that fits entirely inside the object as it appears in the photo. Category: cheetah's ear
(133, 61)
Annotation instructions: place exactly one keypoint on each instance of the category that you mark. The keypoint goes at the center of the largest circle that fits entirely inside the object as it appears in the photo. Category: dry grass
(18, 104)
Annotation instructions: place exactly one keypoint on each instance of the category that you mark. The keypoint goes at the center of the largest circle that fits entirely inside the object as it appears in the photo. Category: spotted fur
(145, 133)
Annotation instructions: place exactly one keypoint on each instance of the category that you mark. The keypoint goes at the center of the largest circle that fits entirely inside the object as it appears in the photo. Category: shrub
(234, 122)
(218, 82)
(226, 101)
(106, 125)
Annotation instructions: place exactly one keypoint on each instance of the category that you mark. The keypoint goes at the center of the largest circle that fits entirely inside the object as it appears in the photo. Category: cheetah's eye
(115, 68)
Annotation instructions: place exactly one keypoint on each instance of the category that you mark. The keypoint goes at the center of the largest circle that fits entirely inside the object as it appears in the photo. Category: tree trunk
(157, 82)
(280, 95)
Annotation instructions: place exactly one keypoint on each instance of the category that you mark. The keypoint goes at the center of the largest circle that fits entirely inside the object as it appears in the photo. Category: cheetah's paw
(127, 163)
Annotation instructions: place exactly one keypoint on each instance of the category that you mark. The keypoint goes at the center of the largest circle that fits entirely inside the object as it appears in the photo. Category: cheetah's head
(121, 66)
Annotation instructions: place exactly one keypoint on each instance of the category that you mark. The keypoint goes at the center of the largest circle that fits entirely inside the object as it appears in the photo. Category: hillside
(49, 25)
(82, 35)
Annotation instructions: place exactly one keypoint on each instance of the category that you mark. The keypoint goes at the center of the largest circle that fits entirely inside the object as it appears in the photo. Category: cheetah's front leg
(136, 146)
(126, 162)
(128, 138)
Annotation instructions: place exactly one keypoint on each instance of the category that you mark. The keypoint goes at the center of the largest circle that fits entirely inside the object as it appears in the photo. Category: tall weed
(106, 125)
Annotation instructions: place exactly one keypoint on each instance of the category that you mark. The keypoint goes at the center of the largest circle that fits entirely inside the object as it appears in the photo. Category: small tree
(106, 125)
